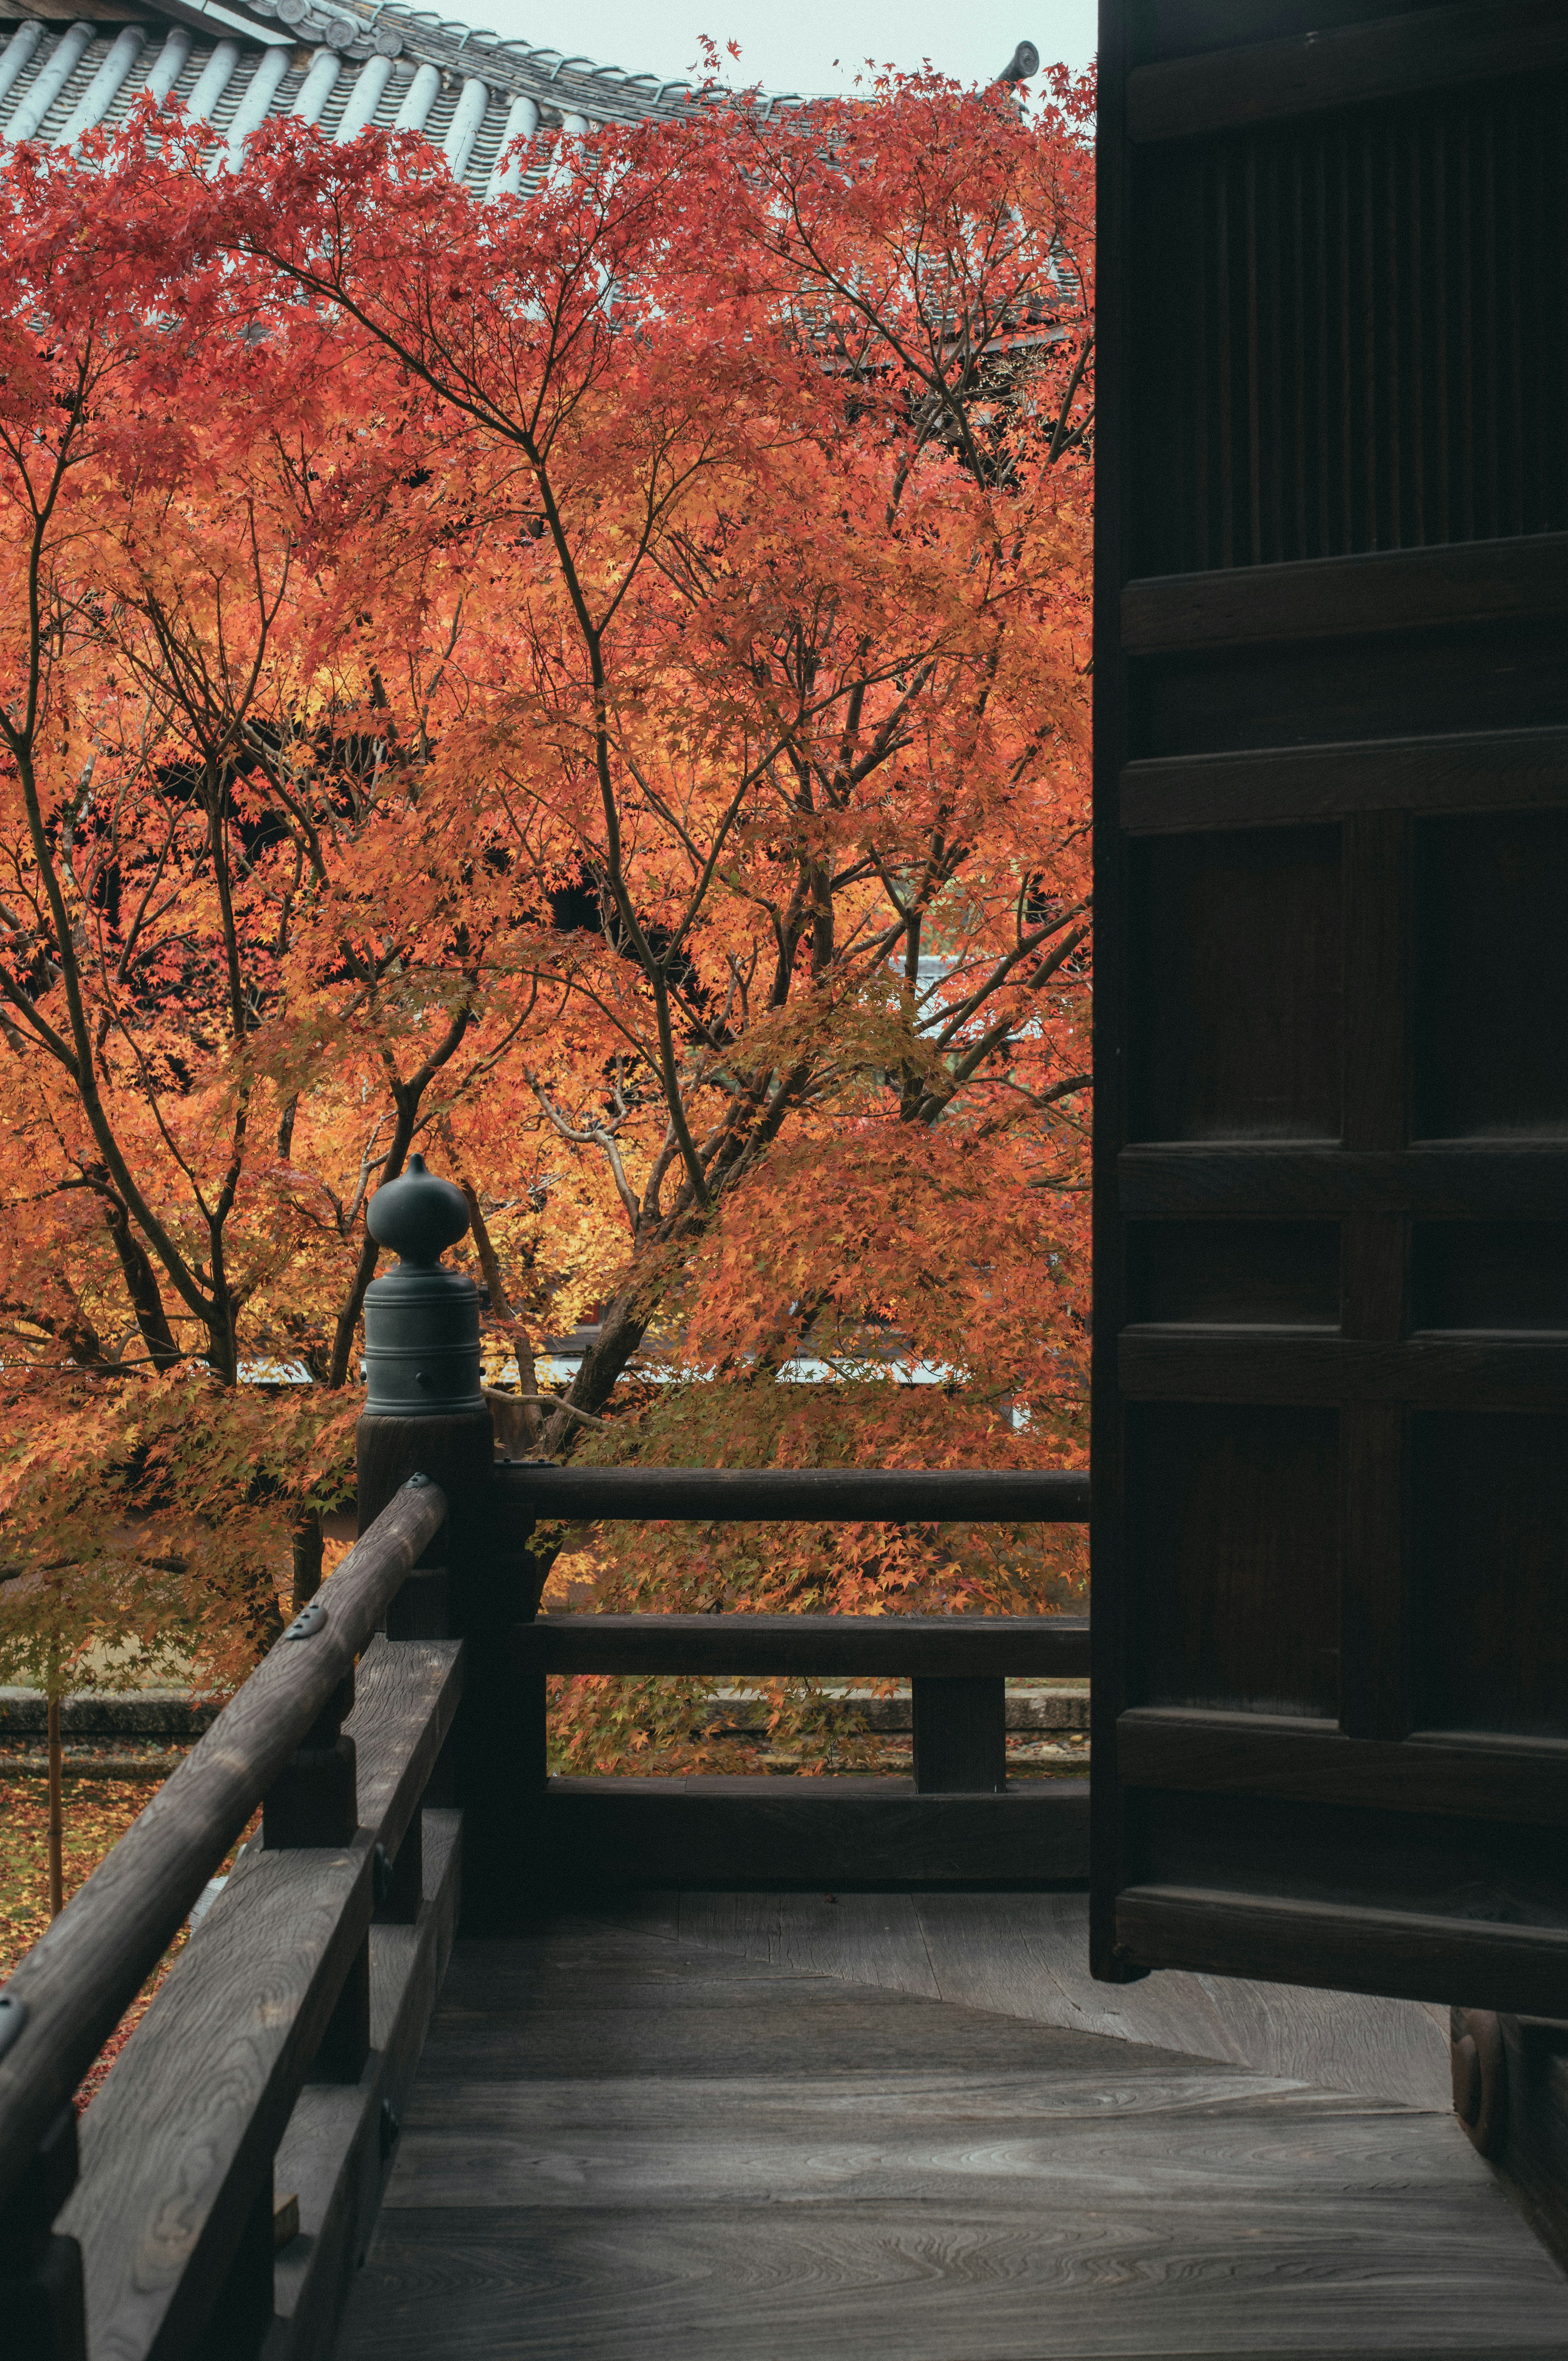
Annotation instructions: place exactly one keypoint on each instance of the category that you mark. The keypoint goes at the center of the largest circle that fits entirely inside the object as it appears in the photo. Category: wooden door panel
(1330, 1387)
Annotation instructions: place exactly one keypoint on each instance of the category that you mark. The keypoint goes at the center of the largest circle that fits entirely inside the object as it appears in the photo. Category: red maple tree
(593, 686)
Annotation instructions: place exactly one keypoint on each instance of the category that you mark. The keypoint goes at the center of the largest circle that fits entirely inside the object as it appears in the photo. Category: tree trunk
(56, 1812)
(305, 1548)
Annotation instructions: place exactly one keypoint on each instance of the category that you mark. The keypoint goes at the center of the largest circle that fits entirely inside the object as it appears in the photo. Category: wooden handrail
(891, 1495)
(80, 1976)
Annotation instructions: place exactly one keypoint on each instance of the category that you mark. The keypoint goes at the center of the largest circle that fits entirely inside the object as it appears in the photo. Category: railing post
(961, 1736)
(40, 2274)
(315, 1802)
(425, 1413)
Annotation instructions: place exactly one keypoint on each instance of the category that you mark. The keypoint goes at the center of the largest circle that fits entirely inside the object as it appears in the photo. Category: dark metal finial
(419, 1216)
(1024, 61)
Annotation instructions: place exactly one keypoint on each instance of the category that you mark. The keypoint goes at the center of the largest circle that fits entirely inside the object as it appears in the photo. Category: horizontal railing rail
(944, 1647)
(909, 1496)
(277, 1971)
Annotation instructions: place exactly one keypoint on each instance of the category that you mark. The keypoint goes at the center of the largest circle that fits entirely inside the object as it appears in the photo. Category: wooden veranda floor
(769, 2127)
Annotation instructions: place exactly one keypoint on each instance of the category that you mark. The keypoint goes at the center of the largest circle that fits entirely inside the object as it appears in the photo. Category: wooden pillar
(40, 2274)
(425, 1414)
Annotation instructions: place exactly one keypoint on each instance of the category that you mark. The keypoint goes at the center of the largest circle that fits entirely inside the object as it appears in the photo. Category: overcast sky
(806, 45)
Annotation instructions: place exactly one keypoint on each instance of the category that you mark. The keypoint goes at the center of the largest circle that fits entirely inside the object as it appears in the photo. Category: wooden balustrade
(166, 2243)
(960, 1824)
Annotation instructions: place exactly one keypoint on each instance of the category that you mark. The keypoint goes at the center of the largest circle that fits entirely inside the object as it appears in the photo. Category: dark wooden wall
(1330, 1538)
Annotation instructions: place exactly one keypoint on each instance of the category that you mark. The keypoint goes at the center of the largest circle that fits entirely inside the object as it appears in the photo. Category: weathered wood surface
(1026, 1955)
(623, 2146)
(175, 2146)
(198, 2097)
(335, 2154)
(897, 1494)
(812, 1832)
(406, 1692)
(1484, 1963)
(829, 1646)
(1464, 1771)
(79, 1979)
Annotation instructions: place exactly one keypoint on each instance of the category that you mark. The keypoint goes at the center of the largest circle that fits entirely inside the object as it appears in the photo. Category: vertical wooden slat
(1250, 302)
(1201, 182)
(1224, 367)
(1441, 331)
(1300, 445)
(1465, 343)
(1416, 374)
(1374, 1249)
(1118, 295)
(1391, 308)
(1321, 309)
(1489, 261)
(1520, 228)
(1347, 410)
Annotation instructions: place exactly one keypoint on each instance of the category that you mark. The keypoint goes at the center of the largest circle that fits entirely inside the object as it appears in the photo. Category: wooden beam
(749, 1833)
(1432, 1372)
(1465, 583)
(1408, 1954)
(1479, 1775)
(882, 1646)
(1289, 786)
(870, 1495)
(1518, 1182)
(1343, 65)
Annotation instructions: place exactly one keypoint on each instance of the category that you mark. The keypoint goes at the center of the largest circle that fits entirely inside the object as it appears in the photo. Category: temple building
(341, 64)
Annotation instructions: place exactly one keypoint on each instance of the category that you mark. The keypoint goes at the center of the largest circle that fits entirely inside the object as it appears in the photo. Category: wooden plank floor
(1027, 1955)
(628, 2143)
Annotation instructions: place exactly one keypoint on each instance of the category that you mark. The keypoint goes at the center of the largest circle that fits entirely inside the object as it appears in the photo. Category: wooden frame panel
(1395, 712)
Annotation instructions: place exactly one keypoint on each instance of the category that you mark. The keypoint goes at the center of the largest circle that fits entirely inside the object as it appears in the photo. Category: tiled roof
(338, 63)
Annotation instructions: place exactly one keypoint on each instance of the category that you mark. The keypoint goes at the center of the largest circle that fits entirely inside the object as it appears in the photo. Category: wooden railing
(962, 1824)
(271, 2062)
(230, 2169)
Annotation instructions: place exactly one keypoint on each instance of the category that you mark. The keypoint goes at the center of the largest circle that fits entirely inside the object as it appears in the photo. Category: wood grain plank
(624, 2148)
(1181, 2135)
(405, 1695)
(176, 2143)
(867, 1939)
(1474, 770)
(982, 2283)
(1519, 1184)
(1026, 1955)
(827, 1833)
(1374, 592)
(332, 2155)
